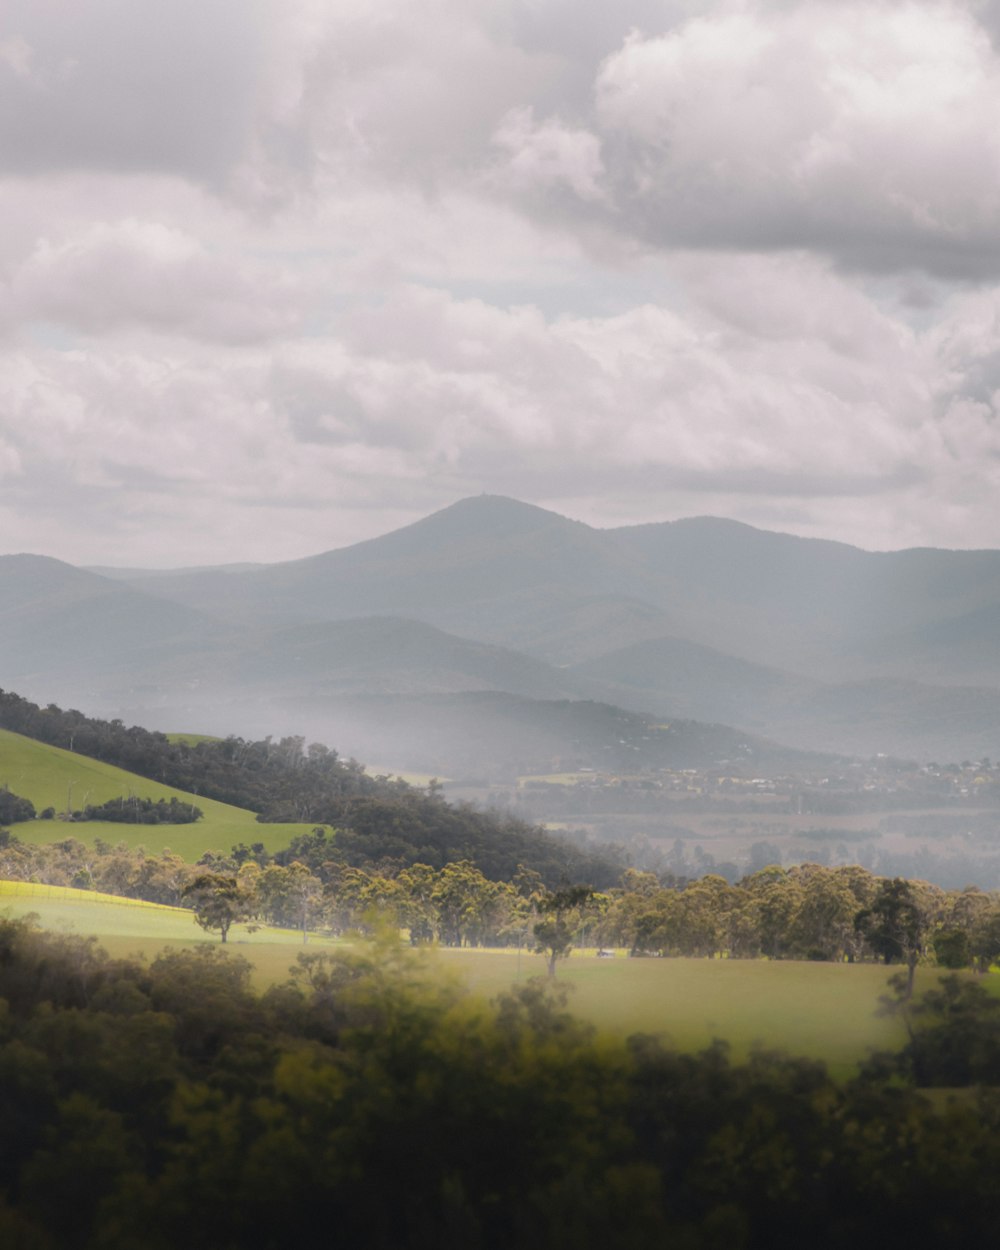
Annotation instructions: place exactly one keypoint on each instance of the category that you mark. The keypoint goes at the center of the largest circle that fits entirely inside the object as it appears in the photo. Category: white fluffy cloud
(858, 129)
(134, 274)
(427, 397)
(278, 276)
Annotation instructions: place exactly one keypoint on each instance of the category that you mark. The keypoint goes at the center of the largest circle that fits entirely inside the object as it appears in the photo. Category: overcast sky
(280, 275)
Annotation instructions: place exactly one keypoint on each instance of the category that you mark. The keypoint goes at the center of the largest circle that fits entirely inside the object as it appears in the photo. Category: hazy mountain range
(413, 639)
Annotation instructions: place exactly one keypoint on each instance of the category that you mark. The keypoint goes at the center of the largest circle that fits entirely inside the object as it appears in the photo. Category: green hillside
(52, 777)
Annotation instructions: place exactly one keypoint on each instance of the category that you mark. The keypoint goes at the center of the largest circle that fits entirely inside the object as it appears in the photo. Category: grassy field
(52, 777)
(127, 927)
(825, 1011)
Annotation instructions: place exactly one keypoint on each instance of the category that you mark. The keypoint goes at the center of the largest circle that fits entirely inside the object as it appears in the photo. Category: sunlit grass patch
(128, 927)
(68, 894)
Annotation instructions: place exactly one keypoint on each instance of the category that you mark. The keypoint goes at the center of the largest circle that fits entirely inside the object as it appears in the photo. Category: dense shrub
(166, 1105)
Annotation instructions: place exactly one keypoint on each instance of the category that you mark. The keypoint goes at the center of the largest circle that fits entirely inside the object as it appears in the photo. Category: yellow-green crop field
(126, 927)
(52, 777)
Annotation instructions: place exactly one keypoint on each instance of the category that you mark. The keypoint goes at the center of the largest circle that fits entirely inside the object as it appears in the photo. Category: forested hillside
(377, 818)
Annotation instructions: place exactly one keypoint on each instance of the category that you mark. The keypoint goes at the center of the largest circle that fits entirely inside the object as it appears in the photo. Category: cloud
(128, 86)
(692, 397)
(426, 397)
(143, 274)
(278, 276)
(549, 154)
(854, 129)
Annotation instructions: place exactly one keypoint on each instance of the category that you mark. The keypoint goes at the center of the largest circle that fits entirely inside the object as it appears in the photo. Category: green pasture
(823, 1011)
(52, 777)
(819, 1010)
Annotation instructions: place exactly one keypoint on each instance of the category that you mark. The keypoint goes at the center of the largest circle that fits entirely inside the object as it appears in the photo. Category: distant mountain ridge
(803, 640)
(495, 564)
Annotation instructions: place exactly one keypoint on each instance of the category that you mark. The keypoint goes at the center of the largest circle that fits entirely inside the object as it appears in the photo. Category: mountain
(63, 628)
(803, 640)
(369, 655)
(688, 678)
(524, 577)
(484, 567)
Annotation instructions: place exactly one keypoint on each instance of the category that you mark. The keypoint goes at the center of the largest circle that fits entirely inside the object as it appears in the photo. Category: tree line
(807, 911)
(166, 1104)
(125, 810)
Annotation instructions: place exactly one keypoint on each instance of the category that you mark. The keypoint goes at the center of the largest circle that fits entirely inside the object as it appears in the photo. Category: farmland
(52, 777)
(823, 1011)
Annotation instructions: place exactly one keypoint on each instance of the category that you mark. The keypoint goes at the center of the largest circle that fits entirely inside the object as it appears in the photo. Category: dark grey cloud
(121, 85)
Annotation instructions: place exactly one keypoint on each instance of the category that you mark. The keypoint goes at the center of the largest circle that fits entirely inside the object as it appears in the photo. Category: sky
(277, 276)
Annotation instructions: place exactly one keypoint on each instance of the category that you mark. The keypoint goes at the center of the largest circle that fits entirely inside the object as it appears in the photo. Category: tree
(823, 924)
(951, 948)
(704, 916)
(554, 932)
(953, 1031)
(306, 894)
(418, 912)
(290, 896)
(13, 808)
(894, 925)
(218, 902)
(774, 896)
(984, 942)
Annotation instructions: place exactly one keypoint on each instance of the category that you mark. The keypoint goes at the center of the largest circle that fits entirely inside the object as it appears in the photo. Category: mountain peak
(462, 523)
(498, 511)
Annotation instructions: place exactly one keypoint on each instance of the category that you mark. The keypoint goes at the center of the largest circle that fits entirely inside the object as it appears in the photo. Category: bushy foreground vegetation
(166, 1105)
